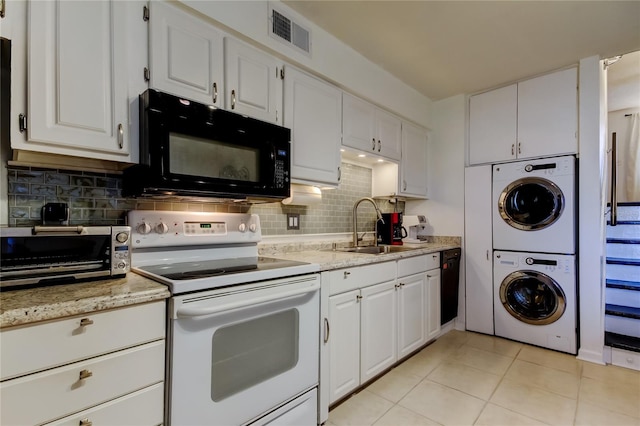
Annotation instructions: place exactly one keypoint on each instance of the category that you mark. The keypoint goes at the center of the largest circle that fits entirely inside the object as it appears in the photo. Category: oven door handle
(245, 303)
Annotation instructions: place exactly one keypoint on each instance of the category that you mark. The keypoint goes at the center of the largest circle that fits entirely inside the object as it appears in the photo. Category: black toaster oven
(43, 255)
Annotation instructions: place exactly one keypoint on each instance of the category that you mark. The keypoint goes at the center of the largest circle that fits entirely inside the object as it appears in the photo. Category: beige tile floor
(467, 378)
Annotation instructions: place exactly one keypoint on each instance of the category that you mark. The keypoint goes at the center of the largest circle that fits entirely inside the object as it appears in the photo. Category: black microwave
(195, 150)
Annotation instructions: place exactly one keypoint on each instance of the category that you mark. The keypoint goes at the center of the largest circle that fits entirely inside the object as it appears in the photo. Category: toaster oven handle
(67, 229)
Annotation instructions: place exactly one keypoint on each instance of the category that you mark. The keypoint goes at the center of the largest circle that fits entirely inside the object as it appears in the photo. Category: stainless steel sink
(374, 249)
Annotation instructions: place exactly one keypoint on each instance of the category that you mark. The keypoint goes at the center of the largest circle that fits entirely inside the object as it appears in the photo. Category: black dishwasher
(449, 279)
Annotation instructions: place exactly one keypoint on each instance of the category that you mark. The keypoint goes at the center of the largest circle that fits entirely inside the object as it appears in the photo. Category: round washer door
(531, 203)
(532, 297)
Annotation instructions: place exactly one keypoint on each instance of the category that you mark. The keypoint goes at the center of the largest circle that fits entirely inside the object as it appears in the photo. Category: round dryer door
(532, 297)
(531, 203)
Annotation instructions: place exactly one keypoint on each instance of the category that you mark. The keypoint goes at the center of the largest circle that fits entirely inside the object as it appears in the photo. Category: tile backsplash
(95, 199)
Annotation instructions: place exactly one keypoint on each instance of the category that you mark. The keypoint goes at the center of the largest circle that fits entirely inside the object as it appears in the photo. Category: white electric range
(243, 330)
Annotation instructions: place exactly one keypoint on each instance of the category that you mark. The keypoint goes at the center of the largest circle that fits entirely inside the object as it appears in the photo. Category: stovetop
(191, 251)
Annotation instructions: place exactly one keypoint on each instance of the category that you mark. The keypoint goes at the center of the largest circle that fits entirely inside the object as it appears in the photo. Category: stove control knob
(253, 227)
(242, 227)
(144, 228)
(162, 228)
(122, 237)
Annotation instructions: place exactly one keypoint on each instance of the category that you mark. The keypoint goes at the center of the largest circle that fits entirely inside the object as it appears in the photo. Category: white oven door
(239, 352)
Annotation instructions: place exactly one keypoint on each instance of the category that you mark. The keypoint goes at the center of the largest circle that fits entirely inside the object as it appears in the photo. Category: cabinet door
(313, 112)
(378, 323)
(414, 165)
(344, 344)
(186, 54)
(548, 115)
(358, 124)
(252, 82)
(411, 313)
(477, 249)
(433, 304)
(492, 125)
(389, 135)
(77, 79)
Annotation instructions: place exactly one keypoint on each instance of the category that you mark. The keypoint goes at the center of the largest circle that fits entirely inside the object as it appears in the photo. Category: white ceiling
(444, 48)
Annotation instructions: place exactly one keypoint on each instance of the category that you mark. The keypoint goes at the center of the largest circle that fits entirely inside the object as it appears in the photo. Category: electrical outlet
(293, 221)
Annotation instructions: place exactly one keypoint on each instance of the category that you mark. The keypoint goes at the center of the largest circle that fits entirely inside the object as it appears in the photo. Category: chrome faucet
(355, 219)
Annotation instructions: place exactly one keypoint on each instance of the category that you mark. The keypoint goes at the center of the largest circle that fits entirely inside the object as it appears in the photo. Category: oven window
(214, 159)
(252, 352)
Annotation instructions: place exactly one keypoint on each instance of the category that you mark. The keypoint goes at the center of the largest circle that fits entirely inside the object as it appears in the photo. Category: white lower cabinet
(117, 380)
(432, 302)
(411, 313)
(378, 329)
(344, 351)
(373, 316)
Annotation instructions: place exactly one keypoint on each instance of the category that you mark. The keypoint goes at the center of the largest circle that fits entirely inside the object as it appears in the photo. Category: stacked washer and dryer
(534, 262)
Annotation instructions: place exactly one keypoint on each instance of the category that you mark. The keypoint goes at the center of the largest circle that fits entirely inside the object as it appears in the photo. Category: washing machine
(534, 206)
(534, 299)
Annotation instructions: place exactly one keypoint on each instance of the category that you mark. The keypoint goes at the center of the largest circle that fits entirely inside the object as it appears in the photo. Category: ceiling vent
(289, 32)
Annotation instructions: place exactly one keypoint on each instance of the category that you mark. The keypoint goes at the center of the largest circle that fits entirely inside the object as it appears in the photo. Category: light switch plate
(293, 221)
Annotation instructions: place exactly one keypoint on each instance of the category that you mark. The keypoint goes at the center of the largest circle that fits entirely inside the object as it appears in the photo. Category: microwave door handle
(199, 312)
(66, 229)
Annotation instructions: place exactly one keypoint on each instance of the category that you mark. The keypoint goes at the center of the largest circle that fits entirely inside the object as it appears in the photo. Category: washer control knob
(253, 227)
(528, 168)
(529, 261)
(242, 227)
(122, 237)
(144, 228)
(162, 228)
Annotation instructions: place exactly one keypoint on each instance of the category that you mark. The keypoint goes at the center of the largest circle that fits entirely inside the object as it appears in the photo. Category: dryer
(533, 205)
(534, 299)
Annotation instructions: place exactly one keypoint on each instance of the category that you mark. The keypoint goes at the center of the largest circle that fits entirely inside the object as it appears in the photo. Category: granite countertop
(329, 259)
(19, 307)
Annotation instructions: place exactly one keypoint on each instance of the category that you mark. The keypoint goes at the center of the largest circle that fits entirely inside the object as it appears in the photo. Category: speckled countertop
(19, 307)
(328, 259)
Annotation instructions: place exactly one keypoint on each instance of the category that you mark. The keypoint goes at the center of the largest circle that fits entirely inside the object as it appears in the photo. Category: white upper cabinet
(79, 78)
(548, 115)
(253, 82)
(410, 179)
(313, 112)
(492, 125)
(186, 55)
(531, 119)
(370, 129)
(413, 167)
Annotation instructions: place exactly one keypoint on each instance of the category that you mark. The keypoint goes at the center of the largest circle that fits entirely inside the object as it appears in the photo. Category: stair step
(625, 222)
(622, 261)
(622, 297)
(623, 285)
(622, 311)
(622, 325)
(623, 248)
(620, 341)
(623, 241)
(624, 231)
(623, 272)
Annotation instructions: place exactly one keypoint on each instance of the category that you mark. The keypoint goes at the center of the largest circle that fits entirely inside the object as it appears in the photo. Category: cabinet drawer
(415, 265)
(32, 348)
(55, 393)
(347, 279)
(144, 407)
(626, 359)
